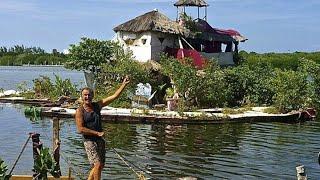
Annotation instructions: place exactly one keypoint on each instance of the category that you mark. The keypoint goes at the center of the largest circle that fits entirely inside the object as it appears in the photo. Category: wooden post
(69, 173)
(56, 142)
(36, 147)
(301, 173)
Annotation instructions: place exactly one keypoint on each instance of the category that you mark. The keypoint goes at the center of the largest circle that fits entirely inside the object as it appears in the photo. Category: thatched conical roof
(152, 21)
(198, 3)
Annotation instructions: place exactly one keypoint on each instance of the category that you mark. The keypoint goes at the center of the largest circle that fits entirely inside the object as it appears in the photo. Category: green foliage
(169, 92)
(33, 113)
(21, 49)
(190, 24)
(316, 99)
(205, 88)
(44, 88)
(236, 111)
(22, 87)
(20, 55)
(63, 88)
(281, 60)
(250, 84)
(7, 60)
(49, 59)
(90, 52)
(122, 66)
(271, 110)
(113, 61)
(46, 164)
(213, 91)
(312, 69)
(291, 90)
(33, 59)
(3, 171)
(238, 58)
(253, 84)
(25, 59)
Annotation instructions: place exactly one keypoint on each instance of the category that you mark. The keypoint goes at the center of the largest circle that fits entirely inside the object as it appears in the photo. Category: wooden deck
(215, 118)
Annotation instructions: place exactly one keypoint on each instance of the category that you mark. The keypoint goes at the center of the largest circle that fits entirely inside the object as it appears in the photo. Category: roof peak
(197, 3)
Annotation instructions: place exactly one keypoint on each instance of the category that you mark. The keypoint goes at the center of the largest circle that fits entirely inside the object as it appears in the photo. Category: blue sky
(270, 25)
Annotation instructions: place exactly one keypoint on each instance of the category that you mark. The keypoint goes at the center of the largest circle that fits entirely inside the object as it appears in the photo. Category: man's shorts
(96, 150)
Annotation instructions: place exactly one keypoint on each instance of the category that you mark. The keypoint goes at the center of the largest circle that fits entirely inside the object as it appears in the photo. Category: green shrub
(249, 84)
(280, 60)
(63, 87)
(44, 88)
(205, 88)
(46, 164)
(291, 90)
(316, 99)
(312, 69)
(90, 52)
(122, 66)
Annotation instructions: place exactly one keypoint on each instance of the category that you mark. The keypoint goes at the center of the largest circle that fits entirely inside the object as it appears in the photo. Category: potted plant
(171, 98)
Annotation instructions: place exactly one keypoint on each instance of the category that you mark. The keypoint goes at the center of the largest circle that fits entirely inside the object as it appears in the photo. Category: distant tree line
(20, 55)
(279, 60)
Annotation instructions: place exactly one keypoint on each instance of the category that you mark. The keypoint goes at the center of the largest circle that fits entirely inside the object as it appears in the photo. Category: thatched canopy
(152, 21)
(198, 3)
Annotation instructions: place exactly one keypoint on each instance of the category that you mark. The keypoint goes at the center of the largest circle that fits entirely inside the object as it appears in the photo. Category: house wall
(139, 44)
(224, 58)
(157, 47)
(146, 46)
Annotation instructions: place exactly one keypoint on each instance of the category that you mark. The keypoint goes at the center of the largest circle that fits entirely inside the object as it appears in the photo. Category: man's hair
(88, 89)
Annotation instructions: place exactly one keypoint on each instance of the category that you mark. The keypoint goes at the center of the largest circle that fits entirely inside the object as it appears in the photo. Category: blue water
(225, 151)
(11, 76)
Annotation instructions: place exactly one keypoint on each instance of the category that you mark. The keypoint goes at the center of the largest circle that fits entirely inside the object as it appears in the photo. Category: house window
(129, 41)
(144, 41)
(161, 39)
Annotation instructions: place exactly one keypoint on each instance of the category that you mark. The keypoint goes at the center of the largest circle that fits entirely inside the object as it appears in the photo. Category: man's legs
(95, 173)
(96, 155)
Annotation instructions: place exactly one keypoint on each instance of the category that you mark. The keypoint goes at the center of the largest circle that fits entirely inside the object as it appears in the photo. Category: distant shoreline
(33, 65)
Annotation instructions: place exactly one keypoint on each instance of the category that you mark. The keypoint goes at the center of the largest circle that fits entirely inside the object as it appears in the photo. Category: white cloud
(16, 6)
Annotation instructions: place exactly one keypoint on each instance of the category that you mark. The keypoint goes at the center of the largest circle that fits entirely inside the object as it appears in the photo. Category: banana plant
(45, 164)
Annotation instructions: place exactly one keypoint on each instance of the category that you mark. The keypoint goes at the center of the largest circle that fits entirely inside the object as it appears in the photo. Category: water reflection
(225, 151)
